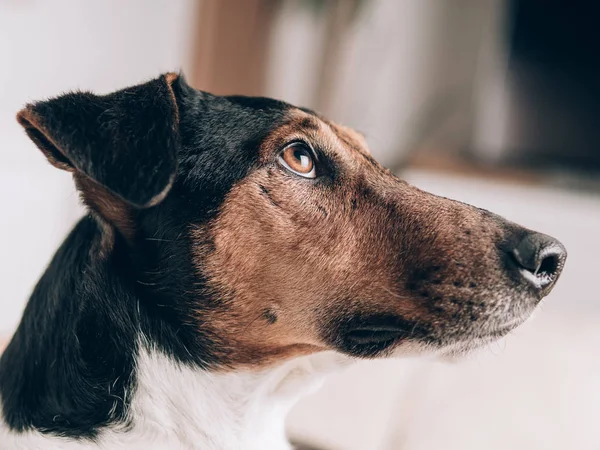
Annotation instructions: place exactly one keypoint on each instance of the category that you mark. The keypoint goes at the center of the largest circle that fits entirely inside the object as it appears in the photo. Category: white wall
(47, 48)
(405, 70)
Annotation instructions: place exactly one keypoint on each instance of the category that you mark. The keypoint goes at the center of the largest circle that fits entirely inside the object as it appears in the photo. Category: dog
(236, 250)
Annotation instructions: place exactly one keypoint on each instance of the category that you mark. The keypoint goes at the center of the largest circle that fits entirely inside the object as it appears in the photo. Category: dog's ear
(123, 144)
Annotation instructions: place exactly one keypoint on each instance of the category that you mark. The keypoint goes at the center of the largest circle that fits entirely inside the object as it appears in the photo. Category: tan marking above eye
(298, 158)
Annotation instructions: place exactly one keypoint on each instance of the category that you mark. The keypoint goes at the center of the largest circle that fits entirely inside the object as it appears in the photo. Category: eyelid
(305, 144)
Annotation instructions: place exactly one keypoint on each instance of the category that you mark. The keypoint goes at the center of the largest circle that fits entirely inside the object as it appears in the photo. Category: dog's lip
(376, 334)
(478, 340)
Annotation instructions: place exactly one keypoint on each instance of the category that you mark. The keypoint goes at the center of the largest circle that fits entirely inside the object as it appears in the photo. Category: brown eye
(298, 158)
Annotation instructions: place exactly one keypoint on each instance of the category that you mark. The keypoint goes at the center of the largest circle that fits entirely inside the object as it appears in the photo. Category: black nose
(540, 259)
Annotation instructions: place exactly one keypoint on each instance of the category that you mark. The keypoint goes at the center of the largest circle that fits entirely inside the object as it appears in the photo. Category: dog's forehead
(246, 121)
(306, 125)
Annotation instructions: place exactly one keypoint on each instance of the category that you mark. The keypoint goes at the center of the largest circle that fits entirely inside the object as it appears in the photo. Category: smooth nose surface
(540, 259)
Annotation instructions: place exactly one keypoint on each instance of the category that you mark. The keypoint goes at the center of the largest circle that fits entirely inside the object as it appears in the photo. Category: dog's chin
(466, 346)
(460, 351)
(458, 348)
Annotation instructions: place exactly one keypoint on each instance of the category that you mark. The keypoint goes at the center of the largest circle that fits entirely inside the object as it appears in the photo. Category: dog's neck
(208, 410)
(179, 407)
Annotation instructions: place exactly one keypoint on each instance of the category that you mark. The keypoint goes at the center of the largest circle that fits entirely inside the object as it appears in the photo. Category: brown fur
(109, 208)
(291, 260)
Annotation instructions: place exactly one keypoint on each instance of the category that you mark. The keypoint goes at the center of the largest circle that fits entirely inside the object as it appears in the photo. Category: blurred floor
(539, 388)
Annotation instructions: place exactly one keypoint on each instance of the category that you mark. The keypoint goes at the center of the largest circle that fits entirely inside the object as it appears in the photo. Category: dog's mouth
(375, 340)
(376, 335)
(379, 335)
(369, 341)
(371, 335)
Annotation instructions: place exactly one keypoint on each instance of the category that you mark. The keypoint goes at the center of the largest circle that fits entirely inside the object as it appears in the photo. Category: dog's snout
(539, 259)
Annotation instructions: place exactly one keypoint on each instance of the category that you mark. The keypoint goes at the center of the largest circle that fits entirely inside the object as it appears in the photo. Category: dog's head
(259, 231)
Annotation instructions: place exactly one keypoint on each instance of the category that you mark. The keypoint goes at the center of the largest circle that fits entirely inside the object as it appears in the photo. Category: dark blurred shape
(554, 84)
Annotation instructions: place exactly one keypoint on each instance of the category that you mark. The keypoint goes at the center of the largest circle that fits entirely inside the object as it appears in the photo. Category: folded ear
(125, 142)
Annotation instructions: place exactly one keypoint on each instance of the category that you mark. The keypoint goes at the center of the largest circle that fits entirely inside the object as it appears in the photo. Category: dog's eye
(298, 158)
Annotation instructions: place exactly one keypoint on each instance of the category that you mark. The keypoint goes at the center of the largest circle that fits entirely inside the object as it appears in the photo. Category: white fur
(179, 407)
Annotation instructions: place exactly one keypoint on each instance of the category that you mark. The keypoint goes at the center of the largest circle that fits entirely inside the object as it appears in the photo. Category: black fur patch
(69, 369)
(126, 141)
(71, 360)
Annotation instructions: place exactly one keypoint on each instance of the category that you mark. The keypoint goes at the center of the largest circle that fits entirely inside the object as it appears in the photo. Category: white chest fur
(179, 407)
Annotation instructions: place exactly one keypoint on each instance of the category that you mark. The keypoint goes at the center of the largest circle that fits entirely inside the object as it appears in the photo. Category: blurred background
(492, 102)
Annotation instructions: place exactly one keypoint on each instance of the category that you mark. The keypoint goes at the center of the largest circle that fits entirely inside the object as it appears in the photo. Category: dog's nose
(540, 259)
